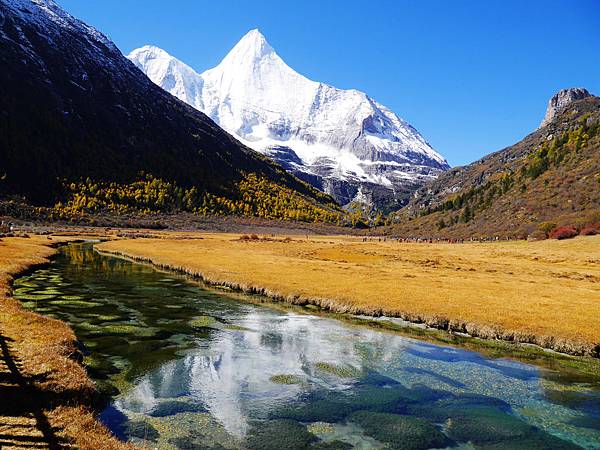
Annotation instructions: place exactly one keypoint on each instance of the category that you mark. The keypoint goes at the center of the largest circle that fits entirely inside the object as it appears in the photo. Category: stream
(184, 366)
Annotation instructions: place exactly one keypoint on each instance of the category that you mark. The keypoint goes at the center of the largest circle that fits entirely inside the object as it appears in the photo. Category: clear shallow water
(187, 367)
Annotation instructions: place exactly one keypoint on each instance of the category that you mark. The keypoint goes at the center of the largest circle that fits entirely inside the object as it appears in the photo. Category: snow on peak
(252, 46)
(340, 135)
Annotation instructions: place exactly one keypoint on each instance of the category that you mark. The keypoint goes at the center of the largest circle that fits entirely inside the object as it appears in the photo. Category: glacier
(341, 141)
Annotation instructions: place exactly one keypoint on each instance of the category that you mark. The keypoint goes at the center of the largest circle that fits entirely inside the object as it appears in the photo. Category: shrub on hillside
(564, 233)
(546, 227)
(590, 230)
(537, 235)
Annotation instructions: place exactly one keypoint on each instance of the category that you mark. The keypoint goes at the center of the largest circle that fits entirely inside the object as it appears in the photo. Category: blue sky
(471, 76)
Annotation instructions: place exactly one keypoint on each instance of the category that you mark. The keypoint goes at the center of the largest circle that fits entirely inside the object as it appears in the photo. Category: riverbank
(544, 293)
(46, 393)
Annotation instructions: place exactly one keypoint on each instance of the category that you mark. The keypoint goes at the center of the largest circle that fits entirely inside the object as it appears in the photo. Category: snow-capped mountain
(341, 141)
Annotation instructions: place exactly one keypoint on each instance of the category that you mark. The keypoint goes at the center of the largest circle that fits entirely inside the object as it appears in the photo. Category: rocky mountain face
(553, 174)
(561, 100)
(72, 106)
(341, 141)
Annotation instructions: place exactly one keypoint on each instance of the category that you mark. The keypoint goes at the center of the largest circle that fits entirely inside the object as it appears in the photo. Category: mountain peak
(149, 51)
(252, 47)
(560, 100)
(341, 141)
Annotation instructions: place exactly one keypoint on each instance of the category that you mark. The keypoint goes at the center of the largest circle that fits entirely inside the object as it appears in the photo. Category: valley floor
(546, 293)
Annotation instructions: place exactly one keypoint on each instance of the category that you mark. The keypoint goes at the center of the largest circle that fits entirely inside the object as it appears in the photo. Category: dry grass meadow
(547, 292)
(45, 393)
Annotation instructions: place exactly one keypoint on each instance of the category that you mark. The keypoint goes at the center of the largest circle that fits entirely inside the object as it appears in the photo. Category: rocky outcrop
(562, 99)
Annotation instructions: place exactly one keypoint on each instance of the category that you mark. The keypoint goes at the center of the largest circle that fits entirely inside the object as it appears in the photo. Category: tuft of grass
(318, 428)
(286, 379)
(236, 328)
(342, 371)
(35, 297)
(204, 322)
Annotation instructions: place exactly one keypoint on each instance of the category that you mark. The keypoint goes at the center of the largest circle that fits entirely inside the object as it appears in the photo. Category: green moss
(107, 318)
(320, 428)
(205, 322)
(25, 283)
(33, 297)
(342, 371)
(277, 435)
(22, 290)
(286, 379)
(236, 328)
(400, 432)
(50, 292)
(130, 330)
(75, 303)
(30, 305)
(71, 297)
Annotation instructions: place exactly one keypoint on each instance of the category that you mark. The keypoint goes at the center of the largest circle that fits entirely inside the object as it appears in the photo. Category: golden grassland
(44, 392)
(546, 293)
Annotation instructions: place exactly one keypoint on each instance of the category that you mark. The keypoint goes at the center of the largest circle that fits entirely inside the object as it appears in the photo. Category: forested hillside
(549, 179)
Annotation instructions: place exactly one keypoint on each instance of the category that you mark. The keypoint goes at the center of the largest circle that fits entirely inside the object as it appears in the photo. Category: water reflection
(191, 368)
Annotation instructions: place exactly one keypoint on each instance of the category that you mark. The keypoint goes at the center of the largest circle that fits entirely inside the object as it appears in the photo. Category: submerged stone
(317, 410)
(486, 425)
(172, 407)
(277, 435)
(400, 432)
(381, 399)
(191, 430)
(142, 430)
(539, 441)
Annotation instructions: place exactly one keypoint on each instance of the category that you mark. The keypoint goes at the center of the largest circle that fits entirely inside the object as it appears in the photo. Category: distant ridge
(552, 175)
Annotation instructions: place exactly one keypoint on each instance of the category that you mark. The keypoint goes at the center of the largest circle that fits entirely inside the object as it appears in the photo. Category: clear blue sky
(471, 76)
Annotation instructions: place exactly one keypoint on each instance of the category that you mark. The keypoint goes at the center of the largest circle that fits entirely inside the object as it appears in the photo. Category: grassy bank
(545, 293)
(45, 392)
